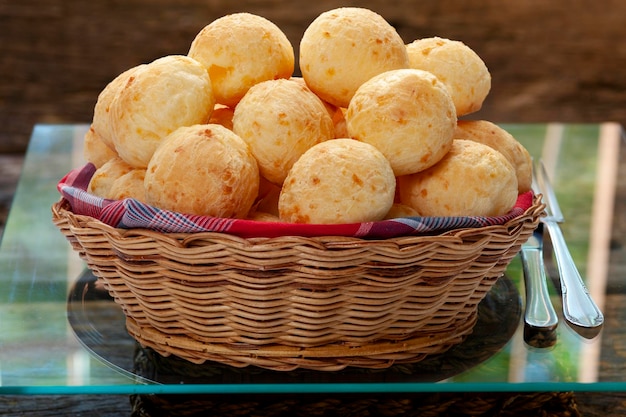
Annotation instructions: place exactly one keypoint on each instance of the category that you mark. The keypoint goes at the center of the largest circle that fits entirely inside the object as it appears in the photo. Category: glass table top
(61, 333)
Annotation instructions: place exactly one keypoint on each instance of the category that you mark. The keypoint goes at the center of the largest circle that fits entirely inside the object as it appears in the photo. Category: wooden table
(606, 353)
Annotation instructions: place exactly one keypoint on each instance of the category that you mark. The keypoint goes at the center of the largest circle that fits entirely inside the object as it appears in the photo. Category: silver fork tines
(578, 306)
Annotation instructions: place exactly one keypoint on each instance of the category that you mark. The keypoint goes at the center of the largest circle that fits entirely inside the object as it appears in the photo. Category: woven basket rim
(132, 213)
(62, 209)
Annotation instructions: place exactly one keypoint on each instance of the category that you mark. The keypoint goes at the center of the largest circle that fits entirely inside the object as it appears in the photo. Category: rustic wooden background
(549, 60)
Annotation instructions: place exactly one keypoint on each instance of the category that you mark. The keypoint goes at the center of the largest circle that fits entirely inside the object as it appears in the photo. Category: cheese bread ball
(160, 97)
(338, 181)
(329, 107)
(401, 210)
(101, 114)
(261, 216)
(267, 200)
(457, 66)
(471, 180)
(222, 115)
(336, 113)
(407, 114)
(499, 139)
(129, 185)
(204, 170)
(240, 50)
(339, 121)
(280, 120)
(95, 150)
(342, 48)
(104, 177)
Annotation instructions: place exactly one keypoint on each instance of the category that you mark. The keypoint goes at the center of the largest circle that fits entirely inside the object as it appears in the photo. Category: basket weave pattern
(297, 302)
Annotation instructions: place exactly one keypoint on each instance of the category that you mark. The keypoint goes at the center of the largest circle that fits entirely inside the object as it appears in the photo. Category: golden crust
(492, 135)
(157, 99)
(104, 177)
(339, 121)
(471, 180)
(344, 47)
(280, 120)
(407, 114)
(401, 210)
(204, 170)
(457, 66)
(267, 200)
(129, 185)
(338, 181)
(95, 150)
(240, 50)
(329, 107)
(222, 115)
(261, 216)
(102, 111)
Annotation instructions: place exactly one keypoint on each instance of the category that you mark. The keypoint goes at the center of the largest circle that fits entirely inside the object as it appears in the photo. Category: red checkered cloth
(131, 214)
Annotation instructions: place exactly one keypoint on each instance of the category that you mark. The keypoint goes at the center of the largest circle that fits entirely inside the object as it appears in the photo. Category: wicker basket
(290, 302)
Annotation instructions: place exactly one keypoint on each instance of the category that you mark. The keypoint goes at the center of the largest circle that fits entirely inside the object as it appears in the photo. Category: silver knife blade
(542, 183)
(539, 313)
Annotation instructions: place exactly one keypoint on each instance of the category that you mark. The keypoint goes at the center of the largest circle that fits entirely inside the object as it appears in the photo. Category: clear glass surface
(59, 334)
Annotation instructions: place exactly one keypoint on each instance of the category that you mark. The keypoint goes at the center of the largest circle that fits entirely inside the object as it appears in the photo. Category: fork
(539, 313)
(578, 307)
(540, 318)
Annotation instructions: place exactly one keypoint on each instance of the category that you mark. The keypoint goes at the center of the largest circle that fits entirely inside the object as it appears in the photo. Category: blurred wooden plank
(69, 405)
(590, 404)
(549, 62)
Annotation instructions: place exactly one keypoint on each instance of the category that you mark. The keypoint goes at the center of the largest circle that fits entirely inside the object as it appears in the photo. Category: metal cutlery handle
(539, 312)
(578, 306)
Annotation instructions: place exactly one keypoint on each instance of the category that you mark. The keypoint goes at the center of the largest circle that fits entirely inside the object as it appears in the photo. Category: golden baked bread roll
(222, 115)
(101, 114)
(344, 47)
(329, 107)
(457, 66)
(267, 200)
(204, 170)
(280, 120)
(338, 181)
(102, 180)
(339, 121)
(407, 114)
(240, 50)
(401, 210)
(499, 139)
(336, 113)
(95, 150)
(471, 180)
(261, 216)
(129, 185)
(158, 98)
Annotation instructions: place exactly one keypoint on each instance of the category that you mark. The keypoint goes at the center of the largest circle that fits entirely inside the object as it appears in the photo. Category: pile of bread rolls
(370, 131)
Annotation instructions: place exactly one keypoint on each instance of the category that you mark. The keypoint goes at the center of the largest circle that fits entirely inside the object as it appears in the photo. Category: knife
(579, 308)
(539, 313)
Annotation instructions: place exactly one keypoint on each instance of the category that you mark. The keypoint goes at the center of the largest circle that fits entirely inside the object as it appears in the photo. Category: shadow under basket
(320, 303)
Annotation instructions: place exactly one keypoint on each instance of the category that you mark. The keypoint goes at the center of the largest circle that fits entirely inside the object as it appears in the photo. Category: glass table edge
(315, 388)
